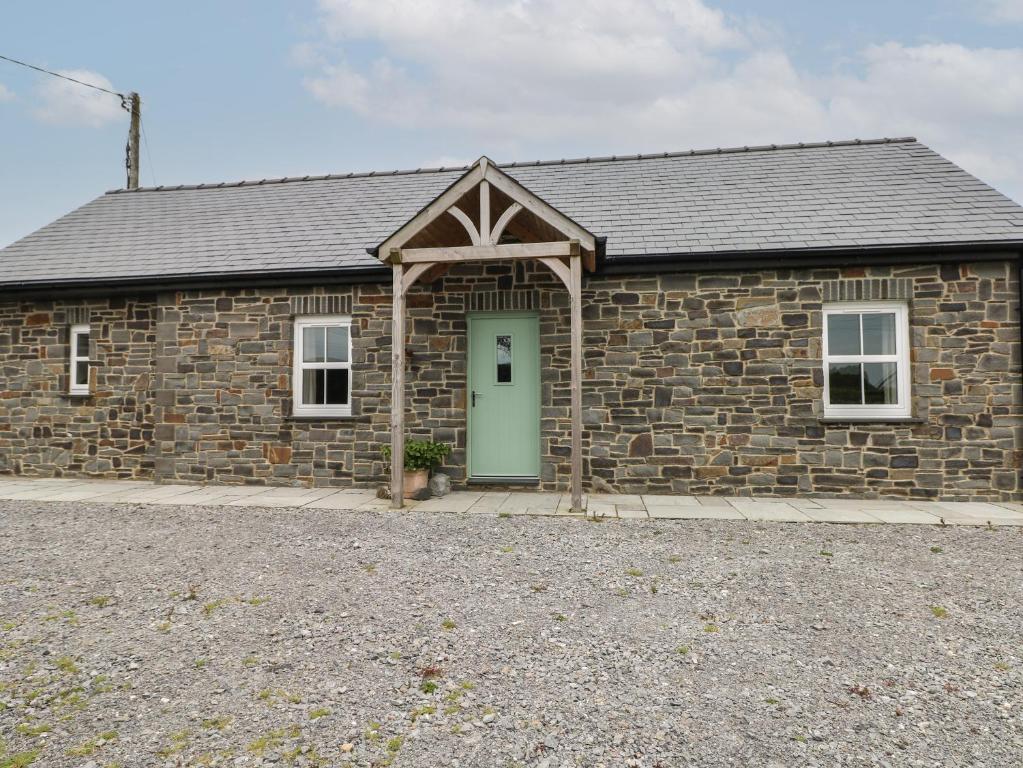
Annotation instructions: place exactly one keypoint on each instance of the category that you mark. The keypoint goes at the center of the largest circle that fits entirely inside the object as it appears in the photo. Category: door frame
(499, 479)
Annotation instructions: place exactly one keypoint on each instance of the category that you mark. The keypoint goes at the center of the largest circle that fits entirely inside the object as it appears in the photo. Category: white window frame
(76, 358)
(899, 410)
(318, 321)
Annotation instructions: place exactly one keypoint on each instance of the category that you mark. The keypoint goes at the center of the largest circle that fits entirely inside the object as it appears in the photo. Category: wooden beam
(485, 252)
(559, 268)
(398, 389)
(502, 222)
(466, 222)
(436, 272)
(535, 205)
(433, 211)
(590, 261)
(412, 275)
(576, 292)
(485, 214)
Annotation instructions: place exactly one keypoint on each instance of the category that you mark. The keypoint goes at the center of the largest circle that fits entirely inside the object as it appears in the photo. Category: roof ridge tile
(522, 164)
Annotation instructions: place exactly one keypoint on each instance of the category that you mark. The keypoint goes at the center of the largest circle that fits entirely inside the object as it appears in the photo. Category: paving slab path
(508, 503)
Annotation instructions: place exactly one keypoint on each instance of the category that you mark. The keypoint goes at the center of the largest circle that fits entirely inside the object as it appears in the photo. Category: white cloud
(508, 76)
(1003, 10)
(6, 94)
(967, 103)
(61, 101)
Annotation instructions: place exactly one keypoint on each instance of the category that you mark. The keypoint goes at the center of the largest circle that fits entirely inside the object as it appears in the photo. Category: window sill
(322, 416)
(872, 420)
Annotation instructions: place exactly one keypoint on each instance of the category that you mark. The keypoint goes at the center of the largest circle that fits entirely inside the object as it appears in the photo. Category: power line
(64, 77)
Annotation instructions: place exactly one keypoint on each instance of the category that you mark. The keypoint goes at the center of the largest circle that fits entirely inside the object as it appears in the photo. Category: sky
(251, 89)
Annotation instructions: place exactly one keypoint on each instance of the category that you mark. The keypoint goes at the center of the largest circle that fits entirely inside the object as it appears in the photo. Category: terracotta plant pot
(415, 480)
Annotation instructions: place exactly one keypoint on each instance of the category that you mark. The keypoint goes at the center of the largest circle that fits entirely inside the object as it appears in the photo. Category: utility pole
(132, 160)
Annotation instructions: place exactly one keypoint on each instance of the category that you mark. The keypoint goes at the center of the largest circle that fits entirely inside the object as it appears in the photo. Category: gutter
(161, 283)
(936, 253)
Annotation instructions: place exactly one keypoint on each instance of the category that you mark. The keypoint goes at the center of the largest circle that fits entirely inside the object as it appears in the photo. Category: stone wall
(692, 383)
(712, 384)
(43, 430)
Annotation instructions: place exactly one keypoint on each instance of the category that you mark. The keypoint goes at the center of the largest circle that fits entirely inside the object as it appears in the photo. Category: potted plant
(420, 457)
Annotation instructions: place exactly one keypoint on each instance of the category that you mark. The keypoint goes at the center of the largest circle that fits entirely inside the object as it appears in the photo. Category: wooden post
(485, 214)
(133, 140)
(576, 292)
(397, 385)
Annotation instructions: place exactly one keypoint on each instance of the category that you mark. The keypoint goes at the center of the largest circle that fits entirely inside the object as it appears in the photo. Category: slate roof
(836, 195)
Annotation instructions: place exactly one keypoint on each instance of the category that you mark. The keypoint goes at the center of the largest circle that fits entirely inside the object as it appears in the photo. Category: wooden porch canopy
(485, 216)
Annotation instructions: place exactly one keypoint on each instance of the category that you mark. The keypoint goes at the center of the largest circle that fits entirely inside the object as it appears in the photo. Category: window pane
(312, 387)
(312, 344)
(337, 345)
(81, 345)
(337, 387)
(880, 383)
(504, 359)
(843, 334)
(81, 372)
(844, 384)
(879, 334)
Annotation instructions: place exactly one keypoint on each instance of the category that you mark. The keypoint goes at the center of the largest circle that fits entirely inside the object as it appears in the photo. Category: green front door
(504, 396)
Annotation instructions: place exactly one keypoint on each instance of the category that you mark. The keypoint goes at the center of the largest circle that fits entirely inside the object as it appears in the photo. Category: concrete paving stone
(140, 493)
(802, 504)
(599, 509)
(865, 504)
(823, 515)
(78, 494)
(713, 501)
(522, 501)
(969, 509)
(624, 513)
(1015, 506)
(33, 494)
(634, 501)
(489, 503)
(696, 513)
(346, 501)
(456, 501)
(771, 513)
(278, 499)
(541, 511)
(905, 516)
(47, 494)
(653, 500)
(565, 503)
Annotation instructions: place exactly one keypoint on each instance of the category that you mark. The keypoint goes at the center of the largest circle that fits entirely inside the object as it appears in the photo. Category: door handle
(474, 396)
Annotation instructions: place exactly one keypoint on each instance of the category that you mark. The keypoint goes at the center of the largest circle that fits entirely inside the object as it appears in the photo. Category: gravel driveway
(141, 635)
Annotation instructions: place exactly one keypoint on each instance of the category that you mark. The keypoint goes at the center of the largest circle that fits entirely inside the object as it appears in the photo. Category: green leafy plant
(421, 454)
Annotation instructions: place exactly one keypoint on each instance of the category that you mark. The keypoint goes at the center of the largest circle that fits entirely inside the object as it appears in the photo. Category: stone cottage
(834, 319)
